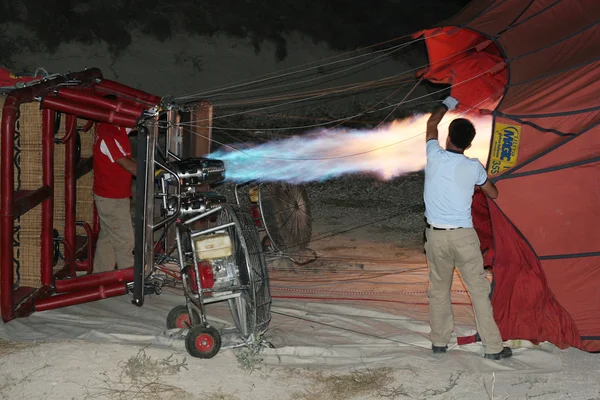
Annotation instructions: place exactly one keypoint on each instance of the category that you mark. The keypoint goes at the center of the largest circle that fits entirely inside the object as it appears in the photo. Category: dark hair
(461, 133)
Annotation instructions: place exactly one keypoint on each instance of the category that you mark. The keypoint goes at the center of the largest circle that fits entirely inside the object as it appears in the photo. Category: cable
(342, 328)
(283, 73)
(399, 211)
(391, 51)
(333, 96)
(287, 116)
(295, 101)
(355, 293)
(392, 81)
(356, 86)
(353, 154)
(401, 101)
(340, 120)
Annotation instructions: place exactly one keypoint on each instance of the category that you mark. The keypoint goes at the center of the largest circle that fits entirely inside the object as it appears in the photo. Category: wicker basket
(28, 175)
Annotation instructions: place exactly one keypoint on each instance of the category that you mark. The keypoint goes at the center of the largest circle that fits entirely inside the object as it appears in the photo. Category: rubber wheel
(203, 342)
(157, 288)
(179, 317)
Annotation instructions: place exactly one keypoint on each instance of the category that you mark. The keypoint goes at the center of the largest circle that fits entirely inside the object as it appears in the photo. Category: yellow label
(505, 148)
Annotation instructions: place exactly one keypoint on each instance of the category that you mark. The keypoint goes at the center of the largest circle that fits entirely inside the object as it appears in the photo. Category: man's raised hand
(450, 103)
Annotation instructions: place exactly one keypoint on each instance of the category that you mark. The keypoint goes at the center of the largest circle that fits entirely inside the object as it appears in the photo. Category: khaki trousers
(446, 249)
(115, 241)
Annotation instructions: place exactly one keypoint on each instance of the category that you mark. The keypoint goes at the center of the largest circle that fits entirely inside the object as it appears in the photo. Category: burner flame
(387, 152)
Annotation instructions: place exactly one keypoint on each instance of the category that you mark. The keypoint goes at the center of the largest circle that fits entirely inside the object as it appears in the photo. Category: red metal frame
(100, 102)
(87, 264)
(70, 193)
(47, 245)
(89, 112)
(84, 100)
(79, 297)
(89, 281)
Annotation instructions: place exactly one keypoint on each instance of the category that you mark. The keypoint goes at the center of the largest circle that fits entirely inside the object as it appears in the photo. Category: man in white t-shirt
(451, 240)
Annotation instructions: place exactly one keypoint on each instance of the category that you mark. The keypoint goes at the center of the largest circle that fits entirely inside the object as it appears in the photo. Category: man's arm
(484, 183)
(489, 189)
(449, 103)
(128, 165)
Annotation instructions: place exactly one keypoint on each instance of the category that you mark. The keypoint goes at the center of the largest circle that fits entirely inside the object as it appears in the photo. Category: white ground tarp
(359, 316)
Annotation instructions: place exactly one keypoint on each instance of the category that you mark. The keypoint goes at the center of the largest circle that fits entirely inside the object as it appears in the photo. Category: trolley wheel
(157, 288)
(179, 317)
(203, 341)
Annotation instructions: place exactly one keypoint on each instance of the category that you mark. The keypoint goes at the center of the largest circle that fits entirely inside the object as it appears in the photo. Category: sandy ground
(96, 369)
(83, 370)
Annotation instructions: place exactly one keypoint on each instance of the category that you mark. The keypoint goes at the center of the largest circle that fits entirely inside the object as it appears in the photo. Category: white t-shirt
(450, 180)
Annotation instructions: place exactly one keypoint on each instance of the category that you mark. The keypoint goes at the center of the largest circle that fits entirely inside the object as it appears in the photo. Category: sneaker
(505, 353)
(439, 349)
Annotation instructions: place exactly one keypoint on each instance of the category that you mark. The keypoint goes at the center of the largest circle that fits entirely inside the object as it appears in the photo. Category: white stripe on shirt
(104, 150)
(120, 148)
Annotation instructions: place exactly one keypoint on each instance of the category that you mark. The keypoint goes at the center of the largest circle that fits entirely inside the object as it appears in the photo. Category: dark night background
(343, 25)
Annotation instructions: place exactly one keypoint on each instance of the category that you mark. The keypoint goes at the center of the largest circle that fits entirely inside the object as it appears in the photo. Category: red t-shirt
(110, 179)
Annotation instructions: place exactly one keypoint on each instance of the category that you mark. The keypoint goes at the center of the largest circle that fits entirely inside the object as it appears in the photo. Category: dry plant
(452, 382)
(140, 378)
(348, 386)
(395, 392)
(8, 382)
(7, 347)
(218, 396)
(530, 381)
(248, 356)
(540, 395)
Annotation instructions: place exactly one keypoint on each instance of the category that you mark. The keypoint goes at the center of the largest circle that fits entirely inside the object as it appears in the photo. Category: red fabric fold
(524, 307)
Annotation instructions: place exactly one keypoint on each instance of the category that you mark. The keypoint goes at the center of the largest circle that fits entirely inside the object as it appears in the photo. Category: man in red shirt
(113, 171)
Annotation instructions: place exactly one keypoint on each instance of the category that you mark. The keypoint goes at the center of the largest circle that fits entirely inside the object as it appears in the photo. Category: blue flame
(318, 156)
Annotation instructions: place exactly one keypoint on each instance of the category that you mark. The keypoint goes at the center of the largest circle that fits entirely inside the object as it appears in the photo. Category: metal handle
(177, 195)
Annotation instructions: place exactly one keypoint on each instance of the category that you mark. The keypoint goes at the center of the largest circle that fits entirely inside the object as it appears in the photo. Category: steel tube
(83, 296)
(79, 96)
(129, 91)
(95, 232)
(47, 239)
(90, 244)
(90, 112)
(203, 215)
(120, 96)
(25, 200)
(210, 230)
(70, 191)
(88, 125)
(94, 280)
(9, 117)
(178, 196)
